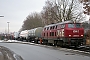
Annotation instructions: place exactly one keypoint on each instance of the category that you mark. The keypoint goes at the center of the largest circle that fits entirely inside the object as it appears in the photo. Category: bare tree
(32, 21)
(48, 13)
(70, 10)
(62, 10)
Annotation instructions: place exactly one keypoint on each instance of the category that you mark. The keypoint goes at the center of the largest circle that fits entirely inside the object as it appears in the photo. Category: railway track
(81, 48)
(84, 48)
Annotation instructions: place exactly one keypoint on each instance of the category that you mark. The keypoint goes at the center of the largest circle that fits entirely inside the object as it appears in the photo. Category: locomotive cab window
(77, 25)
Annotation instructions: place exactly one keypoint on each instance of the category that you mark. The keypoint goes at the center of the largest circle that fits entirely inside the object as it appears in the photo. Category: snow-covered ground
(16, 41)
(9, 41)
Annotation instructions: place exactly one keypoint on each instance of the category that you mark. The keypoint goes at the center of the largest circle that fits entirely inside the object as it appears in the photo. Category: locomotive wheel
(26, 40)
(60, 43)
(55, 42)
(50, 44)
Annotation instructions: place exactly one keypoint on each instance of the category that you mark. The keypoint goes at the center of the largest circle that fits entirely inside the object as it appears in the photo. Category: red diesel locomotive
(64, 34)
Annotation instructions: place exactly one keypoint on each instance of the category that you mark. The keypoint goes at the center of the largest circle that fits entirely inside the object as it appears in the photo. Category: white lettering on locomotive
(58, 33)
(62, 32)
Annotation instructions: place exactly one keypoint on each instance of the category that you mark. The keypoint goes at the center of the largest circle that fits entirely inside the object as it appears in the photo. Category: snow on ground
(9, 41)
(13, 41)
(1, 40)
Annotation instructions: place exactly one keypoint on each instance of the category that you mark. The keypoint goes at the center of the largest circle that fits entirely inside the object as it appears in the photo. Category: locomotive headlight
(81, 35)
(69, 35)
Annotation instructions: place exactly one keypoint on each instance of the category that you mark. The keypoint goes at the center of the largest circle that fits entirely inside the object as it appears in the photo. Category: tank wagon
(24, 35)
(64, 34)
(16, 35)
(35, 34)
(31, 35)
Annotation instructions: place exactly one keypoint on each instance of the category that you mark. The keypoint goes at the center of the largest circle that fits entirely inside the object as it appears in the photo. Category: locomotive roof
(59, 23)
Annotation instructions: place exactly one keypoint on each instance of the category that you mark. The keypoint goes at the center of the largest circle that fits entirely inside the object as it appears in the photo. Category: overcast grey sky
(15, 12)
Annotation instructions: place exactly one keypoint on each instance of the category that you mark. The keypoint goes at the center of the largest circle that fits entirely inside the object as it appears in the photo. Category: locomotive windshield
(77, 25)
(71, 26)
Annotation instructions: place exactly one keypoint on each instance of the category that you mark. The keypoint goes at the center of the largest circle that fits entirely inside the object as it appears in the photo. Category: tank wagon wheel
(36, 41)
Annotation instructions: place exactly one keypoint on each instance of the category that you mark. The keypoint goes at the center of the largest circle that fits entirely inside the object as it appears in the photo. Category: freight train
(65, 33)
